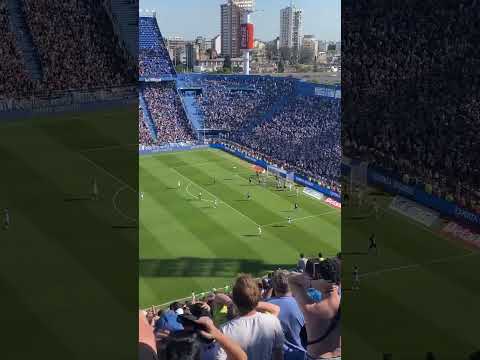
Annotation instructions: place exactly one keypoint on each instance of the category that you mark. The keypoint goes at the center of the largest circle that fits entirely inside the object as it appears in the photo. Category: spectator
(258, 332)
(302, 262)
(291, 317)
(321, 318)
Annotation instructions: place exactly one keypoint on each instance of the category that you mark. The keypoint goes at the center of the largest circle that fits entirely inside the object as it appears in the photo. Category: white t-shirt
(258, 336)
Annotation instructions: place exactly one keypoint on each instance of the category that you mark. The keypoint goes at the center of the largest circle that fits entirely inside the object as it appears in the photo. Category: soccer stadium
(239, 192)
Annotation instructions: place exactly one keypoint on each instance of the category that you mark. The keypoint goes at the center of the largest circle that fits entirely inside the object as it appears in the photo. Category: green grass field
(188, 245)
(420, 294)
(62, 252)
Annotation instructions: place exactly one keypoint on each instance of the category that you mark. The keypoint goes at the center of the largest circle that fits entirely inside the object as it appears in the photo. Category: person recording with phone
(321, 335)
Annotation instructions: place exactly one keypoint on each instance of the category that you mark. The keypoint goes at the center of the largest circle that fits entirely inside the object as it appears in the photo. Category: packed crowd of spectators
(286, 315)
(144, 135)
(14, 80)
(305, 134)
(412, 104)
(76, 45)
(153, 57)
(233, 104)
(168, 114)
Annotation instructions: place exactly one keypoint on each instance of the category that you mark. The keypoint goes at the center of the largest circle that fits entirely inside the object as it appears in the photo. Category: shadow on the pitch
(124, 227)
(200, 267)
(250, 235)
(171, 188)
(82, 198)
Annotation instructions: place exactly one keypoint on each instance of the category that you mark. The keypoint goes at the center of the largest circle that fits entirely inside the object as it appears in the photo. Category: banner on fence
(414, 211)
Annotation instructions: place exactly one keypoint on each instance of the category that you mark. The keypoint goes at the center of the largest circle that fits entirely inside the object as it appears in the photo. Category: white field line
(194, 196)
(414, 266)
(109, 173)
(301, 218)
(117, 209)
(220, 202)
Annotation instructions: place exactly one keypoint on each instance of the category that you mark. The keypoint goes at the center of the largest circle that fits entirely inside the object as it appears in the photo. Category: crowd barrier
(392, 184)
(151, 149)
(69, 100)
(300, 179)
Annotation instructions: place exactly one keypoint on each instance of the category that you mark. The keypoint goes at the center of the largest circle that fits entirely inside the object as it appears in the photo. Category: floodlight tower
(247, 36)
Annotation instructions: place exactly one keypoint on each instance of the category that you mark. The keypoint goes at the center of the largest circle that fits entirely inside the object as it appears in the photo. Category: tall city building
(230, 29)
(191, 54)
(291, 27)
(310, 45)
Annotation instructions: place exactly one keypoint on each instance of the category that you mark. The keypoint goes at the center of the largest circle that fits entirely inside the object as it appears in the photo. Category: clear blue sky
(192, 18)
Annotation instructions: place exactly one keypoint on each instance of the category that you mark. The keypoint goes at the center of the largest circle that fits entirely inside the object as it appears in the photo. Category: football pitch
(189, 245)
(419, 294)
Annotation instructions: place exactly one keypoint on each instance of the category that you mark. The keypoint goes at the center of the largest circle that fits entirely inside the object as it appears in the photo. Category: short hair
(301, 255)
(320, 255)
(245, 293)
(183, 345)
(280, 282)
(175, 306)
(329, 270)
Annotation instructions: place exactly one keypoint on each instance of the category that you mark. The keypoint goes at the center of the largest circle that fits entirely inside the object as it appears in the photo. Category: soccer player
(259, 231)
(94, 189)
(356, 279)
(372, 244)
(200, 195)
(295, 206)
(248, 195)
(289, 220)
(215, 203)
(290, 187)
(6, 219)
(141, 195)
(179, 183)
(250, 179)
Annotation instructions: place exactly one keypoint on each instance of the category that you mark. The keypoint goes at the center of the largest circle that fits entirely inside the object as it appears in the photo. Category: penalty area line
(419, 265)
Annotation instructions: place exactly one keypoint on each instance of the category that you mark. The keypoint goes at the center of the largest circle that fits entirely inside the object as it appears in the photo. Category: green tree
(281, 67)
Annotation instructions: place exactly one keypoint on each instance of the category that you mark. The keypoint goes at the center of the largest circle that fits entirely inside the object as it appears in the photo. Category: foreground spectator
(291, 317)
(322, 319)
(257, 331)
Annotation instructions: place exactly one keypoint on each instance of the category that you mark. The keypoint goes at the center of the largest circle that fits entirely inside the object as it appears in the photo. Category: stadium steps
(126, 13)
(147, 116)
(191, 108)
(24, 40)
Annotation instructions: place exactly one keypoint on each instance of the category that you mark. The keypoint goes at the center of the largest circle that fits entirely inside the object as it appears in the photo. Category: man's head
(329, 270)
(246, 293)
(280, 282)
(302, 255)
(182, 345)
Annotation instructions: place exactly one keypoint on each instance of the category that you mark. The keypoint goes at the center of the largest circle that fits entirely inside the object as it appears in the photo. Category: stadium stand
(14, 78)
(167, 112)
(59, 47)
(437, 148)
(153, 56)
(144, 134)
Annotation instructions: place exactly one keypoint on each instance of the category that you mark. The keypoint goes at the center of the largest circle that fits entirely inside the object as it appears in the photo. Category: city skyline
(321, 18)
